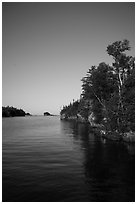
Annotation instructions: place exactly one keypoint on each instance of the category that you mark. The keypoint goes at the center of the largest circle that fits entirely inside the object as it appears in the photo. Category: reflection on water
(45, 159)
(108, 166)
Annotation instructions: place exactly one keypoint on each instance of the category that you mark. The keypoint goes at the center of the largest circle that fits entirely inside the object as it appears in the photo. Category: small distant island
(28, 114)
(13, 112)
(48, 114)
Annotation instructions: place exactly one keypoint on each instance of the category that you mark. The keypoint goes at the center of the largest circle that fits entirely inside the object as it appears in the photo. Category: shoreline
(128, 137)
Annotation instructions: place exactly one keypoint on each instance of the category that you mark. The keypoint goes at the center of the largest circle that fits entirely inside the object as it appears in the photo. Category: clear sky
(48, 47)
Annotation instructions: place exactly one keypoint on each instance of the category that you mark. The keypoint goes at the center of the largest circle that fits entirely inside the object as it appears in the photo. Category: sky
(48, 47)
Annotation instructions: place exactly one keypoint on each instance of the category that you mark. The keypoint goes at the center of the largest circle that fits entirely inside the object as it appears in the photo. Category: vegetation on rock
(47, 114)
(108, 92)
(12, 112)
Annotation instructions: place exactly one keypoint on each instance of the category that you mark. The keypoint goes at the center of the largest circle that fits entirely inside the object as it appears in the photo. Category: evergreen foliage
(71, 109)
(11, 112)
(108, 92)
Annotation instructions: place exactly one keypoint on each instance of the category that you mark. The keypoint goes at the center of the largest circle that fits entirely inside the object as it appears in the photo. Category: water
(45, 159)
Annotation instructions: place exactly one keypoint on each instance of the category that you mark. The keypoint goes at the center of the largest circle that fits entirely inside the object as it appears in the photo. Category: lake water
(45, 159)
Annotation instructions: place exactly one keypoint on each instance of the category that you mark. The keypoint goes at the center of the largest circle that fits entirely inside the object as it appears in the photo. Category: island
(28, 114)
(12, 112)
(48, 114)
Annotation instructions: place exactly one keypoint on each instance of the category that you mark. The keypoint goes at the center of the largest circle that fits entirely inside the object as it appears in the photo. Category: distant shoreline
(30, 116)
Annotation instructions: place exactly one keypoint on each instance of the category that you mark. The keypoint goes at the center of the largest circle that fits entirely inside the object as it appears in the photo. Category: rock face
(76, 117)
(47, 114)
(129, 137)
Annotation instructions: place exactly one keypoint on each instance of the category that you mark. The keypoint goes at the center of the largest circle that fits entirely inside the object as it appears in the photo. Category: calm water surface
(45, 159)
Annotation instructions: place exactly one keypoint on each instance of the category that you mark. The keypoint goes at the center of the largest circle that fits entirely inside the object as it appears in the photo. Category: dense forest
(108, 92)
(12, 112)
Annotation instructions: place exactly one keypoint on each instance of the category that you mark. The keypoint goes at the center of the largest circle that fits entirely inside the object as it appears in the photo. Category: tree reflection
(108, 167)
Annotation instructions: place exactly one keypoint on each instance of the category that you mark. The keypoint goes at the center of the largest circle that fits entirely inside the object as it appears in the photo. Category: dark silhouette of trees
(71, 110)
(124, 69)
(108, 92)
(11, 112)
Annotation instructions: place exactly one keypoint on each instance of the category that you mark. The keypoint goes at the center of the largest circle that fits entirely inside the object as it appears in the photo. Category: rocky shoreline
(128, 137)
(115, 136)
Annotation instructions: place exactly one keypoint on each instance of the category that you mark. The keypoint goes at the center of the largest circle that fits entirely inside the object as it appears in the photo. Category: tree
(11, 112)
(97, 88)
(123, 66)
(108, 92)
